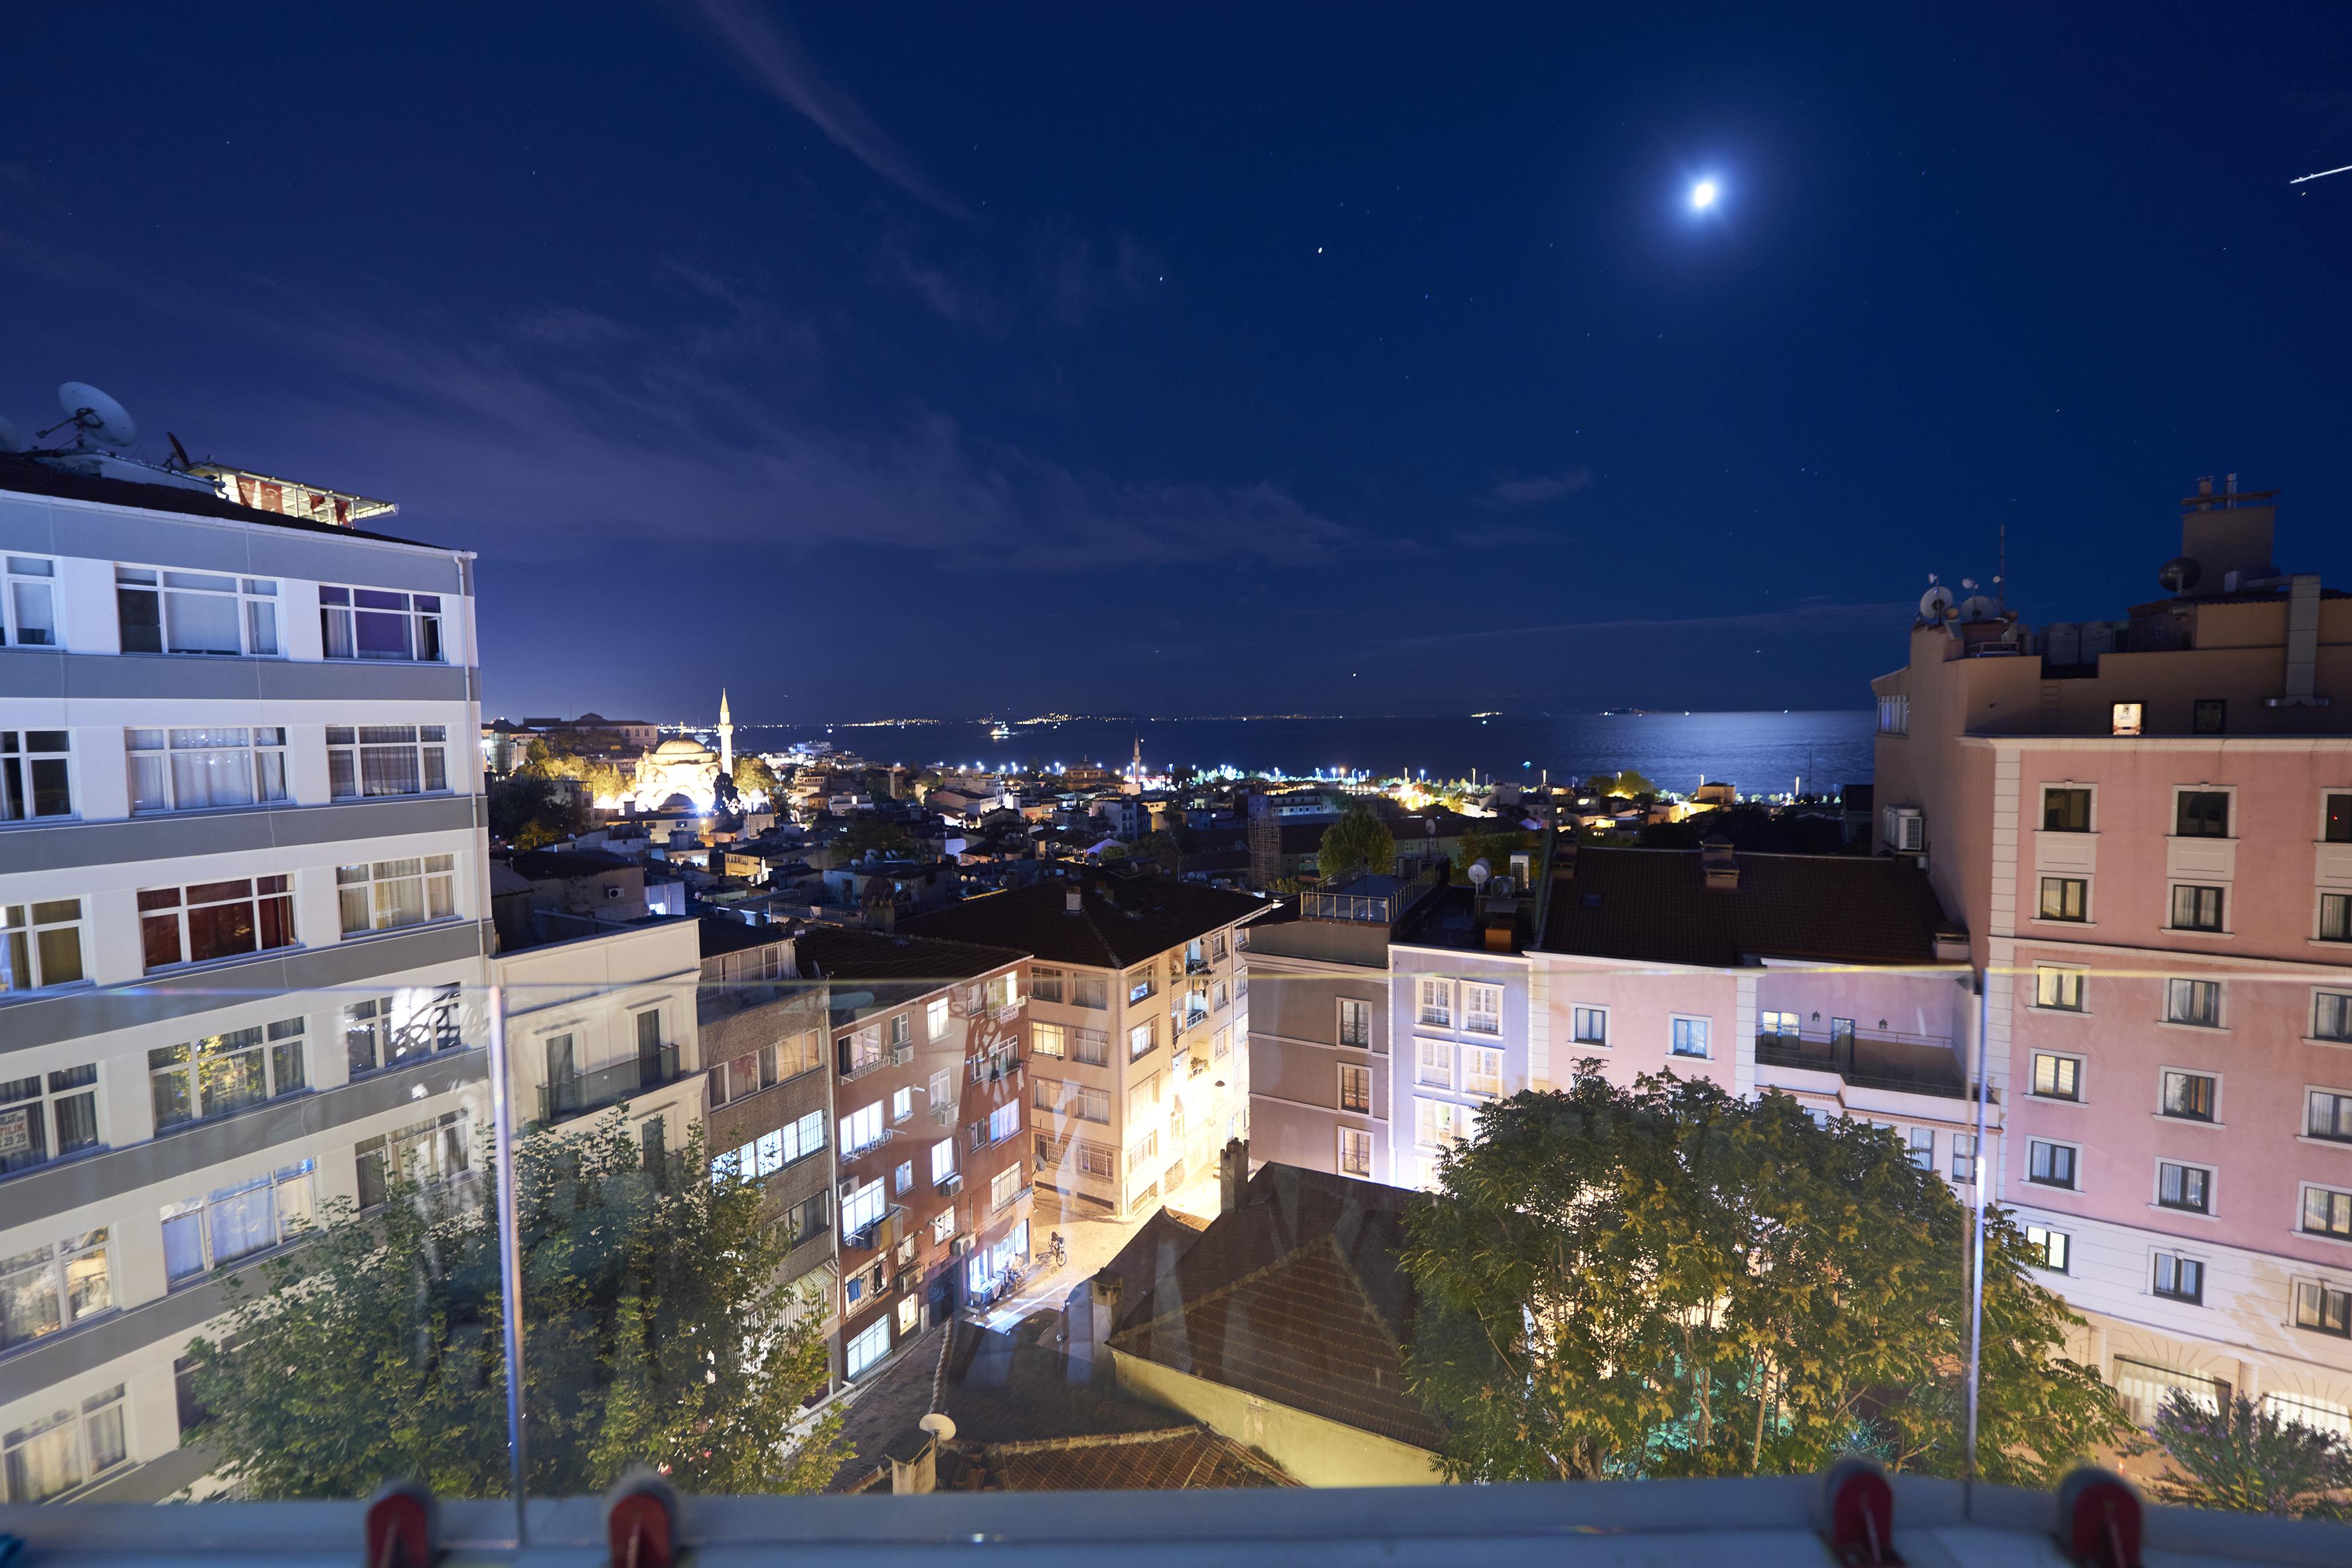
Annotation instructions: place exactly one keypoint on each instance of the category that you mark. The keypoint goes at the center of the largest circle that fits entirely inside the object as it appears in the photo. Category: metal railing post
(1976, 1260)
(510, 1259)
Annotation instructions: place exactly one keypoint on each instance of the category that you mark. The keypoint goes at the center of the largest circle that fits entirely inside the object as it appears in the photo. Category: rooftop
(909, 965)
(36, 479)
(1122, 920)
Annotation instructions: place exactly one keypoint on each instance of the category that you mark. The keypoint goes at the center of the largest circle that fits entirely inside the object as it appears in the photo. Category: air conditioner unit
(613, 892)
(1906, 830)
(961, 1245)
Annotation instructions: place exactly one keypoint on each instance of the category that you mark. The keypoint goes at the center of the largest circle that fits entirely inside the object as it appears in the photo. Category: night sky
(901, 359)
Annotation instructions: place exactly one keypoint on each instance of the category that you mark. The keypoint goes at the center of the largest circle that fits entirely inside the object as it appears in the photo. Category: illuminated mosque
(684, 775)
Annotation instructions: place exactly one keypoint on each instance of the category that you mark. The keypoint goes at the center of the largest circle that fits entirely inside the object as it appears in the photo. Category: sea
(1757, 753)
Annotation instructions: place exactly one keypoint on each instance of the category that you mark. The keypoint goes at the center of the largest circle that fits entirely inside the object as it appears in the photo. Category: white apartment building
(243, 908)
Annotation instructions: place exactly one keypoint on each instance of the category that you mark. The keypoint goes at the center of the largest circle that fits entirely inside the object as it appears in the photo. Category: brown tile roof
(1169, 1460)
(1122, 920)
(1654, 905)
(1296, 1296)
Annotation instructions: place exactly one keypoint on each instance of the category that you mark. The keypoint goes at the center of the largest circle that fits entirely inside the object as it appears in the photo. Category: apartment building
(243, 926)
(931, 1179)
(1322, 1026)
(1139, 1028)
(2146, 824)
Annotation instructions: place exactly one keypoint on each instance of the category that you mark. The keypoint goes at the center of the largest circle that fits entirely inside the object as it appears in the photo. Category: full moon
(1703, 196)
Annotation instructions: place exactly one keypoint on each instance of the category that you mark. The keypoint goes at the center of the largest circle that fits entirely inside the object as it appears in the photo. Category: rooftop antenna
(9, 440)
(1999, 599)
(92, 412)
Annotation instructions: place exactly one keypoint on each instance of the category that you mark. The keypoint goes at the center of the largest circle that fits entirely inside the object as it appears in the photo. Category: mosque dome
(682, 747)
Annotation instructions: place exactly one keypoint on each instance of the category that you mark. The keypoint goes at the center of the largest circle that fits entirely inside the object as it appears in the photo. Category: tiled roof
(840, 954)
(29, 478)
(1654, 905)
(1297, 1297)
(1169, 1460)
(1122, 920)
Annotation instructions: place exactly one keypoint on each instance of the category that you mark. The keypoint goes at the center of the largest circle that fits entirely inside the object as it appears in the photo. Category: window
(943, 1164)
(1784, 1024)
(2065, 899)
(1687, 1036)
(1004, 1187)
(2057, 1076)
(2335, 917)
(1219, 1044)
(1894, 714)
(1141, 1038)
(1355, 1024)
(2327, 1212)
(940, 1091)
(1439, 1125)
(1436, 1004)
(1964, 1158)
(2180, 1279)
(372, 760)
(861, 1206)
(2331, 1016)
(1482, 1071)
(51, 1288)
(388, 1031)
(40, 945)
(942, 1225)
(2336, 819)
(1591, 1026)
(1089, 991)
(2210, 715)
(1004, 1122)
(2328, 1114)
(1435, 1064)
(2067, 810)
(2051, 1248)
(48, 1117)
(902, 1180)
(1046, 985)
(1355, 1152)
(1217, 947)
(49, 1459)
(216, 920)
(2060, 989)
(2197, 1002)
(197, 770)
(861, 1129)
(35, 778)
(870, 1345)
(374, 623)
(1482, 1010)
(195, 612)
(222, 1073)
(1048, 1040)
(28, 609)
(2196, 909)
(384, 895)
(1142, 985)
(2123, 717)
(2049, 1164)
(2201, 813)
(2189, 1095)
(1842, 1032)
(1142, 1151)
(1922, 1143)
(1143, 1099)
(210, 1232)
(997, 993)
(427, 1154)
(2323, 1307)
(2186, 1187)
(772, 1152)
(1355, 1089)
(902, 1104)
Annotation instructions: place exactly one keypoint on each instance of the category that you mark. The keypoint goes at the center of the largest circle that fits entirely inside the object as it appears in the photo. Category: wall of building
(1319, 1452)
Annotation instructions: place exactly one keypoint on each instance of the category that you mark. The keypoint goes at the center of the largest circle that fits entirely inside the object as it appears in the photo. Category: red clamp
(641, 1521)
(402, 1528)
(1857, 1515)
(2100, 1519)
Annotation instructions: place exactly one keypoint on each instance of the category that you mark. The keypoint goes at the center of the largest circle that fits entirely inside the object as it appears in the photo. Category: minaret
(726, 737)
(1135, 770)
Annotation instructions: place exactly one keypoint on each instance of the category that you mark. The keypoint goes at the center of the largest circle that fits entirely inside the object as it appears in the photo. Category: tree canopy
(1668, 1280)
(754, 779)
(866, 831)
(1495, 848)
(1360, 841)
(656, 1331)
(526, 810)
(2238, 1455)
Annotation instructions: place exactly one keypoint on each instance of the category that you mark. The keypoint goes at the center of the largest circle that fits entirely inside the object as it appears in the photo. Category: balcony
(848, 1155)
(880, 1234)
(1010, 1199)
(1195, 965)
(584, 1092)
(896, 1057)
(1867, 1063)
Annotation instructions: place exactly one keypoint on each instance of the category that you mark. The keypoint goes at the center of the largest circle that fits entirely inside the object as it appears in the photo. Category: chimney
(1103, 1295)
(914, 1463)
(1233, 1174)
(1073, 899)
(1722, 868)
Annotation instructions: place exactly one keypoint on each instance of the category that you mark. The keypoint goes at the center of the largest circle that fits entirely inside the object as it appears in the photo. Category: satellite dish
(92, 412)
(1480, 871)
(2179, 575)
(1934, 603)
(9, 440)
(939, 1426)
(1976, 607)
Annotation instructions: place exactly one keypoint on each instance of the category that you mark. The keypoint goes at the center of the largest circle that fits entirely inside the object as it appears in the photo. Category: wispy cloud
(1812, 613)
(1535, 492)
(775, 58)
(1496, 536)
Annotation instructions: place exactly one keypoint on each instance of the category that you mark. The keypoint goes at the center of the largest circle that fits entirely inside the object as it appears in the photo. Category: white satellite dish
(1934, 603)
(1976, 607)
(92, 412)
(1480, 871)
(9, 440)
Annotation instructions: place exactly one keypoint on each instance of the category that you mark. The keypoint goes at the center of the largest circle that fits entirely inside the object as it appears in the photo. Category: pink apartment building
(2145, 825)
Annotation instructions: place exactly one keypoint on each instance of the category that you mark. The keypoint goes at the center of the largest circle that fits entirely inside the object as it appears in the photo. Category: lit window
(861, 1129)
(2124, 718)
(374, 623)
(1687, 1036)
(223, 1073)
(1048, 1040)
(206, 1233)
(36, 774)
(387, 894)
(1355, 1152)
(2060, 989)
(943, 1162)
(1482, 1010)
(1355, 1024)
(40, 945)
(370, 760)
(2057, 1076)
(1437, 1003)
(902, 1180)
(1004, 1122)
(1355, 1089)
(28, 609)
(861, 1209)
(1141, 1038)
(1004, 1188)
(869, 1345)
(2323, 1307)
(1922, 1143)
(49, 1458)
(197, 770)
(2180, 1279)
(195, 612)
(52, 1287)
(1964, 1158)
(2189, 1095)
(46, 1116)
(388, 1031)
(1089, 991)
(1439, 1124)
(1436, 1064)
(2051, 1248)
(1482, 1071)
(216, 920)
(2065, 899)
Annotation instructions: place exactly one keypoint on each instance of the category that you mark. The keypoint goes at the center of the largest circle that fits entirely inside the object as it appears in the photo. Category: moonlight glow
(1703, 196)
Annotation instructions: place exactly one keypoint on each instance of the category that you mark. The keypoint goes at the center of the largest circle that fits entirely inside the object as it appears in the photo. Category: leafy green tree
(1632, 786)
(657, 1330)
(526, 810)
(1669, 1280)
(1359, 841)
(1162, 849)
(2239, 1456)
(866, 831)
(755, 778)
(1495, 848)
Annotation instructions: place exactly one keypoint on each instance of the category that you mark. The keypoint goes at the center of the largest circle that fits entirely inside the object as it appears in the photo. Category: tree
(867, 832)
(1667, 1281)
(2237, 1456)
(1163, 849)
(1495, 848)
(657, 1330)
(755, 780)
(526, 810)
(1359, 841)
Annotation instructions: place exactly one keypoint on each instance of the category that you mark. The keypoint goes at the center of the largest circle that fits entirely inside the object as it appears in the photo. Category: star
(1703, 196)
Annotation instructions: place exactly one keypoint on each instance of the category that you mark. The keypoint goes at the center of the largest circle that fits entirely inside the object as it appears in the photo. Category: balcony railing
(583, 1092)
(878, 1235)
(998, 1206)
(1782, 1050)
(896, 1057)
(870, 1146)
(1195, 965)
